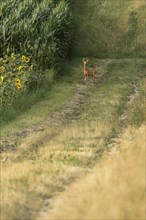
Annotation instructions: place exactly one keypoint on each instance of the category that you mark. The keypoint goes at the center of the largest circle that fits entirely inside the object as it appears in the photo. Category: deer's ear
(83, 59)
(87, 59)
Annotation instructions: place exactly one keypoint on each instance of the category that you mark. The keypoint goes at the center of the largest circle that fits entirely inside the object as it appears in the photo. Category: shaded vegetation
(107, 28)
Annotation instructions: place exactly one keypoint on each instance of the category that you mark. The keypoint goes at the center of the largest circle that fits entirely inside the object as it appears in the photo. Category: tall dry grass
(44, 164)
(114, 190)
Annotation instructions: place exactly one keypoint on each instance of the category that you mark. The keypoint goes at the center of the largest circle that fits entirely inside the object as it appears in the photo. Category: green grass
(118, 81)
(72, 160)
(136, 111)
(34, 107)
(108, 101)
(107, 28)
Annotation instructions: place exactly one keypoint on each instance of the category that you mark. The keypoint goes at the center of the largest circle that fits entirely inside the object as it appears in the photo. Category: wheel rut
(66, 114)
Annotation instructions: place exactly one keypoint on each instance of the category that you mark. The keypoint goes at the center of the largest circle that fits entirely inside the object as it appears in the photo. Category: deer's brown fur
(88, 70)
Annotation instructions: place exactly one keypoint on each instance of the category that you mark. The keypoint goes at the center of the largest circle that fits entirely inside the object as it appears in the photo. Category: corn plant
(40, 28)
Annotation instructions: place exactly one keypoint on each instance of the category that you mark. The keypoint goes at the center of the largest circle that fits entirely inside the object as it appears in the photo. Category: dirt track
(65, 115)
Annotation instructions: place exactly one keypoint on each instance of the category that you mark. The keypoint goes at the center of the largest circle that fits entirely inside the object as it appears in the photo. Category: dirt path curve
(67, 114)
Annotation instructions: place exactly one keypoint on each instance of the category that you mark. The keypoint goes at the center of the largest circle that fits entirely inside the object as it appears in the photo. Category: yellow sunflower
(13, 56)
(18, 81)
(20, 68)
(1, 79)
(19, 86)
(23, 57)
(27, 59)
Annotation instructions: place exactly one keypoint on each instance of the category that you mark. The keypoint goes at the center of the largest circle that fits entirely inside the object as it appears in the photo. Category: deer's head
(85, 60)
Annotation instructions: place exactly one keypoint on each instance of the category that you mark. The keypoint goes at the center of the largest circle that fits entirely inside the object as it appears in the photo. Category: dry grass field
(115, 189)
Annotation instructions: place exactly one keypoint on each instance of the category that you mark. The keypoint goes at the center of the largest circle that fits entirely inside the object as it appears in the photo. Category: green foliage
(40, 28)
(16, 74)
(72, 160)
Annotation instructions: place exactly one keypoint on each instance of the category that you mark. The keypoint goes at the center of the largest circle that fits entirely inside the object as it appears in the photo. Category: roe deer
(88, 70)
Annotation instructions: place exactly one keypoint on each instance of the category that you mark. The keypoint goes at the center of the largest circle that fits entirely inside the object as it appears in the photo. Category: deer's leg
(85, 77)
